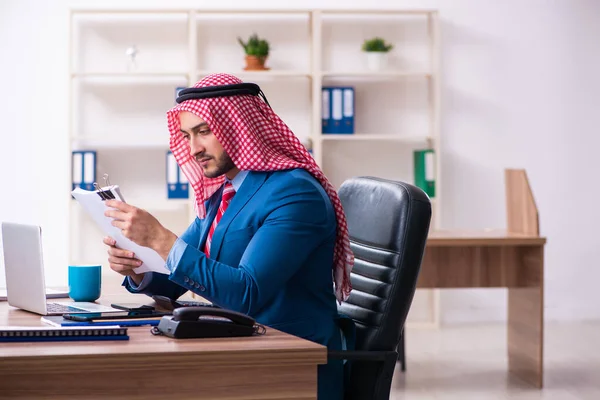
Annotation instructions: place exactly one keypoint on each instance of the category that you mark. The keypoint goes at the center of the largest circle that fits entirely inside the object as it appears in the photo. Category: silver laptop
(24, 269)
(51, 293)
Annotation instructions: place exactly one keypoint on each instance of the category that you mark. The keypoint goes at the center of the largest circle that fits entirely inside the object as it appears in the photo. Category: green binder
(424, 170)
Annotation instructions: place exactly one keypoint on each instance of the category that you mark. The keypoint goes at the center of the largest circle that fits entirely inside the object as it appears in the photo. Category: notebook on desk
(24, 268)
(59, 321)
(53, 334)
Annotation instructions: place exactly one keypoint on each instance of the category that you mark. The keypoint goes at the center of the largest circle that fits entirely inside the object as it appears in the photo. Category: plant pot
(377, 60)
(255, 63)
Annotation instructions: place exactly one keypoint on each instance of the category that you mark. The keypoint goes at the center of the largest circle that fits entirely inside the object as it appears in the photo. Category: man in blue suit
(270, 239)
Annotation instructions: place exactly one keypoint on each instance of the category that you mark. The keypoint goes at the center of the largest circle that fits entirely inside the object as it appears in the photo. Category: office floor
(469, 362)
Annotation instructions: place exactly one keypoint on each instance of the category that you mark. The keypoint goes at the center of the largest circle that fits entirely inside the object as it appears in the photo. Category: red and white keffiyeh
(256, 139)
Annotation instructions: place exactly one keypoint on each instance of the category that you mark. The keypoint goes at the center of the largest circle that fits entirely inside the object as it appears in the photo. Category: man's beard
(224, 164)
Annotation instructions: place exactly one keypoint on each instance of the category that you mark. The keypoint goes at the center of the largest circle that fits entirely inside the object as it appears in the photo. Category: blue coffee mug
(85, 282)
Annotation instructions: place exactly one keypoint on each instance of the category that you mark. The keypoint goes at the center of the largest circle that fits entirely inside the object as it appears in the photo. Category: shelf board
(375, 137)
(129, 74)
(263, 74)
(117, 11)
(324, 74)
(375, 74)
(112, 142)
(130, 77)
(360, 12)
(371, 12)
(282, 17)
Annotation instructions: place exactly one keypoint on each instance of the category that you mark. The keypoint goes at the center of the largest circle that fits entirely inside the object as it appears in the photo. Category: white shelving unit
(119, 110)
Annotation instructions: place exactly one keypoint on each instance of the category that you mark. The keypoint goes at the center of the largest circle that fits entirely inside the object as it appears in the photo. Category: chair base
(401, 356)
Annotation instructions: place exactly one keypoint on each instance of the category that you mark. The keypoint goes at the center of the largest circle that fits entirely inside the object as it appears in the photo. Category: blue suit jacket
(271, 258)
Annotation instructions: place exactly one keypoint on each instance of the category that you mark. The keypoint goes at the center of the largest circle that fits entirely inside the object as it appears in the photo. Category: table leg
(526, 318)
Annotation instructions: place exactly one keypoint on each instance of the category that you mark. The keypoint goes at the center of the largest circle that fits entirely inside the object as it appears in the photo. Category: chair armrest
(357, 355)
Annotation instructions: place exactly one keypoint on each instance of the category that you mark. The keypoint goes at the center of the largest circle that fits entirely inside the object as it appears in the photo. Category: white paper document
(93, 204)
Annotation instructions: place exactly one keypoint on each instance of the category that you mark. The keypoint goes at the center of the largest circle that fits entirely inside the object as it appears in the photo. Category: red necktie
(228, 193)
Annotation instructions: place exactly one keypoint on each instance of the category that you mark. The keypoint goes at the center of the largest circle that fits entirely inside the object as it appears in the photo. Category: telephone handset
(170, 304)
(206, 322)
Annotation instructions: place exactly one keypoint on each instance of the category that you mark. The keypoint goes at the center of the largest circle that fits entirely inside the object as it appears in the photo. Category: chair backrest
(388, 224)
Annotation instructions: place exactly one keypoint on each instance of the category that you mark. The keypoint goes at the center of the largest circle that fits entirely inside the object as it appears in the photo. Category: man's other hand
(140, 227)
(122, 261)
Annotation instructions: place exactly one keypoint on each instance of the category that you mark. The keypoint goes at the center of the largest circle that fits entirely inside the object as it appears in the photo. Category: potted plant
(257, 51)
(377, 51)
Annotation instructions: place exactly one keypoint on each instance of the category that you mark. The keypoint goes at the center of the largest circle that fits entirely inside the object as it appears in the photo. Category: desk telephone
(206, 322)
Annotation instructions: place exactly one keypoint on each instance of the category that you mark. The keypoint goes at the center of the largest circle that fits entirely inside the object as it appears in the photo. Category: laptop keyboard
(61, 308)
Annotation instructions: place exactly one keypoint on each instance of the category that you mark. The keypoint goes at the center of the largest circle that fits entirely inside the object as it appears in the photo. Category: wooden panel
(521, 210)
(137, 379)
(477, 266)
(439, 238)
(526, 322)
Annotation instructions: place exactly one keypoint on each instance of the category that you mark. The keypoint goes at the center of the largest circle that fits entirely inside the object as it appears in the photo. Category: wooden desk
(274, 366)
(512, 259)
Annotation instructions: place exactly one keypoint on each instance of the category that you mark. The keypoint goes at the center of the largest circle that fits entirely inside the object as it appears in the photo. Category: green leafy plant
(377, 44)
(255, 46)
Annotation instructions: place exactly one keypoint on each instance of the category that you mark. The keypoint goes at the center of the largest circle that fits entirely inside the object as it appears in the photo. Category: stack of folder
(83, 169)
(424, 170)
(177, 183)
(337, 109)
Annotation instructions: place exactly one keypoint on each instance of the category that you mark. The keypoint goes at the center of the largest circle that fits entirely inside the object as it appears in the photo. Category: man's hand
(141, 227)
(122, 261)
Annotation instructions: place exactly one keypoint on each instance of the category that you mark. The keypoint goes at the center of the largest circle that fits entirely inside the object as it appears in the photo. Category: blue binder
(177, 90)
(326, 110)
(177, 183)
(338, 109)
(348, 110)
(83, 169)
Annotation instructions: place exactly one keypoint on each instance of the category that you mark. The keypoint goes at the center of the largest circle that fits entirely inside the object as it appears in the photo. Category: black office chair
(388, 223)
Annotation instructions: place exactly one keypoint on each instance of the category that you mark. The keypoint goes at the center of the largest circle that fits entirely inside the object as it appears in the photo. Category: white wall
(520, 89)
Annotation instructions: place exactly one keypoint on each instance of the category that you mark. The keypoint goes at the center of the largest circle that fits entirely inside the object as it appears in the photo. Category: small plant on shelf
(257, 51)
(377, 44)
(377, 52)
